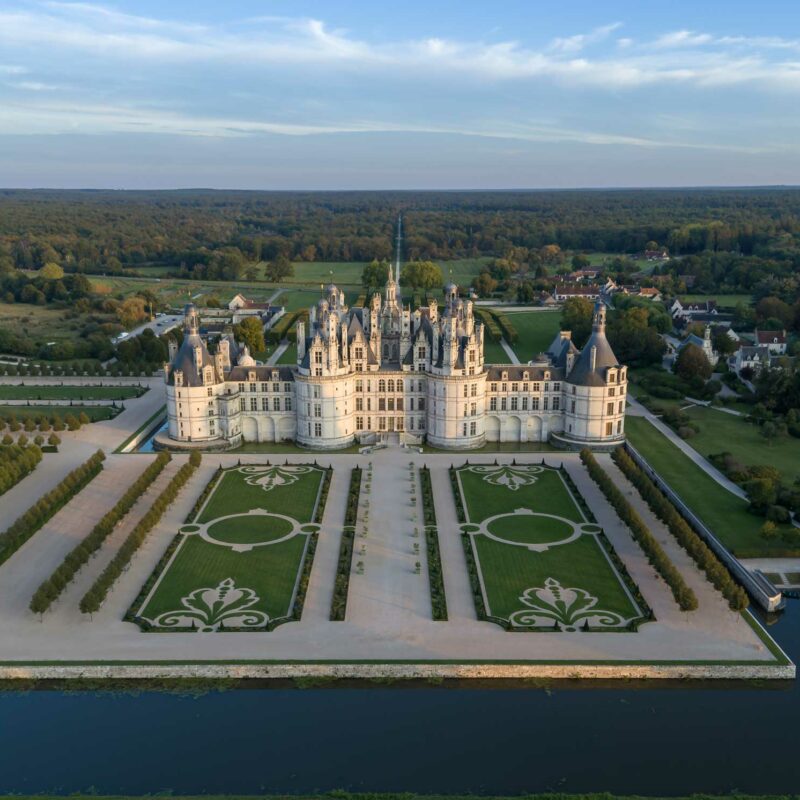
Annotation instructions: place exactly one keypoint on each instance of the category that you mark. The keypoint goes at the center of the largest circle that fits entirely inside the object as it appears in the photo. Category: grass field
(238, 564)
(541, 563)
(33, 392)
(95, 413)
(493, 353)
(43, 324)
(721, 432)
(726, 300)
(289, 355)
(536, 330)
(723, 512)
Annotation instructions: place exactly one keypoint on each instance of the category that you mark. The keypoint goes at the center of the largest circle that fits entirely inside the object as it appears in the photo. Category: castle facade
(386, 372)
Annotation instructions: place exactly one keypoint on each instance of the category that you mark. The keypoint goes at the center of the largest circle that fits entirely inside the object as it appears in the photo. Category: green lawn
(723, 512)
(493, 353)
(510, 570)
(536, 330)
(721, 432)
(50, 392)
(726, 300)
(289, 356)
(234, 495)
(245, 577)
(95, 413)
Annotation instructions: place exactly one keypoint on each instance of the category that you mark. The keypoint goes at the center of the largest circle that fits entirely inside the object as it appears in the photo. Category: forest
(740, 235)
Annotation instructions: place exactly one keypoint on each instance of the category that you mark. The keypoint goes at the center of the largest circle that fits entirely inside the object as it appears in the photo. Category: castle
(388, 373)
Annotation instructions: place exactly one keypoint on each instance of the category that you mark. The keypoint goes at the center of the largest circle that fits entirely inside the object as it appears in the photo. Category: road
(158, 325)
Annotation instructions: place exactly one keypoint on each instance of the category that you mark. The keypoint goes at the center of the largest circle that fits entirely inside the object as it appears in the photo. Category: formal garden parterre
(537, 558)
(242, 561)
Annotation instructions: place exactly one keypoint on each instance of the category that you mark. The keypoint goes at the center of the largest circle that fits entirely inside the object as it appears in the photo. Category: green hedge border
(344, 565)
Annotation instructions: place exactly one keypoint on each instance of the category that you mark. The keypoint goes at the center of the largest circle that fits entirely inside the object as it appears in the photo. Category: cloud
(572, 44)
(682, 57)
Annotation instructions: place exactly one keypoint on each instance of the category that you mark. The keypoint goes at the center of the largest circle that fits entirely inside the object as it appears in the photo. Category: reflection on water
(147, 445)
(631, 738)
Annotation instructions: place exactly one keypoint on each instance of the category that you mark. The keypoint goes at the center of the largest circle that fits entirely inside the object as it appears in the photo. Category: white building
(386, 372)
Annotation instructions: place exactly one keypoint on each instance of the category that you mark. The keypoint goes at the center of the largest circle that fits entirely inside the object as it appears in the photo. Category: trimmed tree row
(48, 505)
(51, 588)
(687, 537)
(16, 462)
(435, 574)
(658, 559)
(94, 598)
(344, 566)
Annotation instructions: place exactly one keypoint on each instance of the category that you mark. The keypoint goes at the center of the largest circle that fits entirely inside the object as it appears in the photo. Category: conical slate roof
(184, 358)
(596, 356)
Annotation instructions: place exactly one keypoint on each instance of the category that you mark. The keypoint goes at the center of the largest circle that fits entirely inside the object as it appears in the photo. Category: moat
(665, 739)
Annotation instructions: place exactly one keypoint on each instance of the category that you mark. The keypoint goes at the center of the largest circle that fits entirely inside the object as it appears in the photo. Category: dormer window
(504, 375)
(251, 376)
(525, 377)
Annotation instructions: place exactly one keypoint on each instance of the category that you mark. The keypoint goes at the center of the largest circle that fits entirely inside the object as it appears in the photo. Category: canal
(643, 738)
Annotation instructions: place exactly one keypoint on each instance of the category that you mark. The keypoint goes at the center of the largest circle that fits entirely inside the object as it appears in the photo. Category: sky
(419, 94)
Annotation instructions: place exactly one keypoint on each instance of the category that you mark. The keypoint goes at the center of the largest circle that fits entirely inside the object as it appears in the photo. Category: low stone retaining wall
(767, 671)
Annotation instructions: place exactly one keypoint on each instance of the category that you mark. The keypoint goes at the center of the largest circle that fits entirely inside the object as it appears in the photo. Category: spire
(191, 319)
(599, 317)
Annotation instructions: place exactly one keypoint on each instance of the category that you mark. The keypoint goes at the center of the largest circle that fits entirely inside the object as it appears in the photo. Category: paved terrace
(388, 615)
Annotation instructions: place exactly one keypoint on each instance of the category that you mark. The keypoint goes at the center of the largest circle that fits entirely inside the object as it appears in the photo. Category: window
(465, 429)
(317, 429)
(318, 357)
(544, 407)
(421, 404)
(525, 387)
(574, 391)
(609, 428)
(547, 387)
(572, 407)
(610, 409)
(390, 386)
(556, 403)
(241, 403)
(381, 385)
(359, 423)
(264, 387)
(536, 387)
(492, 404)
(420, 386)
(621, 407)
(492, 387)
(288, 403)
(358, 352)
(381, 423)
(316, 392)
(514, 387)
(473, 390)
(359, 403)
(359, 385)
(473, 428)
(619, 426)
(276, 404)
(524, 403)
(252, 387)
(390, 404)
(381, 404)
(611, 392)
(399, 403)
(557, 386)
(209, 391)
(253, 404)
(287, 387)
(421, 352)
(503, 404)
(465, 390)
(317, 410)
(473, 409)
(465, 409)
(369, 404)
(410, 403)
(504, 387)
(514, 403)
(265, 403)
(241, 387)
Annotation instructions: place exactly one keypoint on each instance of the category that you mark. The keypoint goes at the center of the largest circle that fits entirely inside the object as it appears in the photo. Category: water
(667, 740)
(147, 445)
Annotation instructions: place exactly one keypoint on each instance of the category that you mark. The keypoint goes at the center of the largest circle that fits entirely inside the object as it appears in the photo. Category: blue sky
(503, 94)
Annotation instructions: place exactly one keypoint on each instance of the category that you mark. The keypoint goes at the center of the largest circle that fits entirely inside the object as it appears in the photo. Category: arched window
(381, 385)
(391, 385)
